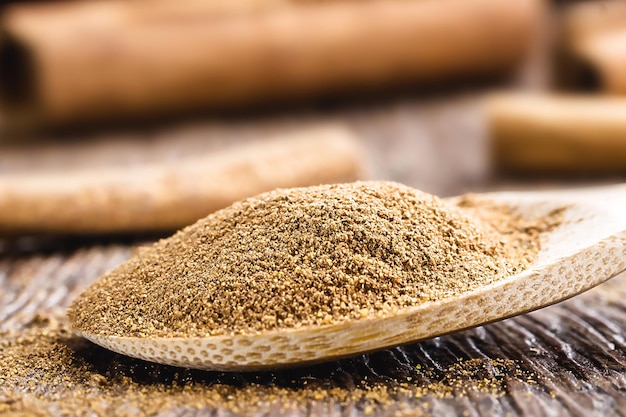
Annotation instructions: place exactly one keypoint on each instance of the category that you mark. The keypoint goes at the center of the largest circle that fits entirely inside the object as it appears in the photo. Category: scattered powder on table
(308, 256)
(47, 371)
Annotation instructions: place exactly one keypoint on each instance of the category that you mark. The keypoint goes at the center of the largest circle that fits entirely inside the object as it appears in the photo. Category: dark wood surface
(568, 359)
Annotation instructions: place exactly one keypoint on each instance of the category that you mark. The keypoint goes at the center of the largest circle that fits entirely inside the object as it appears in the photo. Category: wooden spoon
(588, 248)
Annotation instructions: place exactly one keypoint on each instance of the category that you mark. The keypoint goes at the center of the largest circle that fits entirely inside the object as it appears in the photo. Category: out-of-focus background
(122, 121)
(122, 117)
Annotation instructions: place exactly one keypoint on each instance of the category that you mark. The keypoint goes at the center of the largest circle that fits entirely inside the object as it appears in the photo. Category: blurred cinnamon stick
(593, 50)
(75, 62)
(535, 134)
(169, 195)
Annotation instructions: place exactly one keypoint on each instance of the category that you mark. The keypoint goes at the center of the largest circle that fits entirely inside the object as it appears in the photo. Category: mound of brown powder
(306, 256)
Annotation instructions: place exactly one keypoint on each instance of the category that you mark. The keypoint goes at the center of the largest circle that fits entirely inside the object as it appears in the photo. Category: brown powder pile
(307, 256)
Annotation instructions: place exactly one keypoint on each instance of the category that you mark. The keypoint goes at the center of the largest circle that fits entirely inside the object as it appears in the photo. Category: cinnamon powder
(309, 256)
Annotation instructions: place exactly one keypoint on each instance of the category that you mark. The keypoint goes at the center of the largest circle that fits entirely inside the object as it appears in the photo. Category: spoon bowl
(586, 249)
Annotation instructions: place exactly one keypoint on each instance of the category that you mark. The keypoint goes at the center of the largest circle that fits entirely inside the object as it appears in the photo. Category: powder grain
(306, 256)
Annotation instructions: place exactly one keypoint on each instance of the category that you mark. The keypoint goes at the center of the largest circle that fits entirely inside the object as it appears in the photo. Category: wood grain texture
(568, 359)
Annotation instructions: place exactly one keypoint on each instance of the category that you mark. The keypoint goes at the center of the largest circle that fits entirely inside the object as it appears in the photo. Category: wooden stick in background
(594, 47)
(533, 134)
(169, 195)
(75, 62)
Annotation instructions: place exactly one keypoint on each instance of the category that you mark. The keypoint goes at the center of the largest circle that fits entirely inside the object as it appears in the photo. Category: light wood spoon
(588, 248)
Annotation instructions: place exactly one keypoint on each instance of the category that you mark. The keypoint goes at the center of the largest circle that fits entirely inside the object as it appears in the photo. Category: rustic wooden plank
(566, 359)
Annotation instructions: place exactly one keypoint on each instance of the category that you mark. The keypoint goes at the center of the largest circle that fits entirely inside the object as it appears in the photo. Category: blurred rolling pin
(593, 48)
(170, 195)
(75, 62)
(535, 134)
